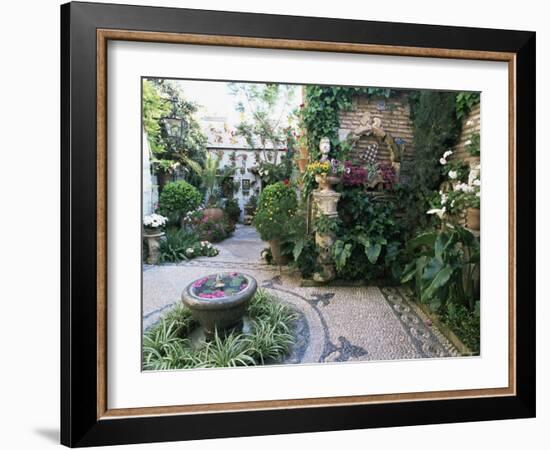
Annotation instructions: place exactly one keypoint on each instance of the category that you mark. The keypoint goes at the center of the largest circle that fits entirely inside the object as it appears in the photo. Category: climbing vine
(320, 112)
(464, 102)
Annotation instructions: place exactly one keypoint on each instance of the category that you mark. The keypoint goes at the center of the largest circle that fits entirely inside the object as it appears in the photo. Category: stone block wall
(471, 124)
(395, 114)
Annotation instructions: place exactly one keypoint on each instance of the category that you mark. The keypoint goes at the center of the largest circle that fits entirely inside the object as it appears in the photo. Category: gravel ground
(339, 323)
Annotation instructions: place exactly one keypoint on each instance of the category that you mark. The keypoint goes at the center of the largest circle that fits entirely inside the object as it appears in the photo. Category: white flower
(477, 182)
(470, 122)
(452, 203)
(447, 154)
(439, 212)
(154, 220)
(443, 199)
(453, 174)
(468, 142)
(190, 251)
(442, 161)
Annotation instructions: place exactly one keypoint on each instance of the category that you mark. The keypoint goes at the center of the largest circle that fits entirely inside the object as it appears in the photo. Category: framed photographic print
(278, 224)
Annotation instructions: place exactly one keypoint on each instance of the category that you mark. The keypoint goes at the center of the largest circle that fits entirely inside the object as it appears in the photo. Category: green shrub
(232, 210)
(465, 324)
(277, 205)
(181, 245)
(178, 198)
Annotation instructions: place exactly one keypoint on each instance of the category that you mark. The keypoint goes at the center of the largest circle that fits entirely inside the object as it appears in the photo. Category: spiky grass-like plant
(166, 346)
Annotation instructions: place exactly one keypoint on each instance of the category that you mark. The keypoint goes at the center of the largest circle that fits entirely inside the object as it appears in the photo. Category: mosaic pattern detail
(423, 335)
(371, 153)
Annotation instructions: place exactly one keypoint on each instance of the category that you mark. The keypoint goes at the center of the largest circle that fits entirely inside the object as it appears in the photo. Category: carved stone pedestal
(153, 245)
(327, 272)
(327, 202)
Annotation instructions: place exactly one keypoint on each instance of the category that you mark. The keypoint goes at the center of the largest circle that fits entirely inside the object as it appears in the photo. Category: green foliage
(161, 99)
(436, 130)
(277, 205)
(320, 112)
(464, 323)
(325, 224)
(166, 346)
(209, 177)
(444, 268)
(153, 108)
(262, 107)
(368, 242)
(474, 147)
(232, 210)
(182, 245)
(178, 198)
(300, 244)
(271, 173)
(213, 230)
(464, 103)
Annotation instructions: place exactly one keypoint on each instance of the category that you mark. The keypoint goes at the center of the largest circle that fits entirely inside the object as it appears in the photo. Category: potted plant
(277, 206)
(153, 225)
(210, 182)
(303, 152)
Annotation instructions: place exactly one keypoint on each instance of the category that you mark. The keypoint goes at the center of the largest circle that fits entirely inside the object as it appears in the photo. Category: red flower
(286, 182)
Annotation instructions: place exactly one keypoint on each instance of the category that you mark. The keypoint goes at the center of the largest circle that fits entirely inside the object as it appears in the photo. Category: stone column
(326, 201)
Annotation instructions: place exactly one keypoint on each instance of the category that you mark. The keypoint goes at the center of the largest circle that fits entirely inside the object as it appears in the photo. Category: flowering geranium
(387, 173)
(154, 221)
(354, 175)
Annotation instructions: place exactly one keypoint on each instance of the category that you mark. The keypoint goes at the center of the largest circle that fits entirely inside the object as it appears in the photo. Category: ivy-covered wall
(395, 113)
(471, 126)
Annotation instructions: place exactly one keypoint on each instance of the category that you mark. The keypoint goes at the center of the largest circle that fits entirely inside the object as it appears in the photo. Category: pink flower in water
(199, 283)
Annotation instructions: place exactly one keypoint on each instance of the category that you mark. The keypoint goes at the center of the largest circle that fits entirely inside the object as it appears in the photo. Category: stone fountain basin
(223, 313)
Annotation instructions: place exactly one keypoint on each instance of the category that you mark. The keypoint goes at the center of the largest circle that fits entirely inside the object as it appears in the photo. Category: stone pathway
(335, 323)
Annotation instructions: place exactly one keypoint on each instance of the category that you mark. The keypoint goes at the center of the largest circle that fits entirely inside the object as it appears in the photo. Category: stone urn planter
(472, 219)
(219, 302)
(152, 236)
(276, 253)
(326, 182)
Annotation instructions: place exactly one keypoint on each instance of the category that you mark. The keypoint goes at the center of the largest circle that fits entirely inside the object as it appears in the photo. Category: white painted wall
(149, 185)
(245, 160)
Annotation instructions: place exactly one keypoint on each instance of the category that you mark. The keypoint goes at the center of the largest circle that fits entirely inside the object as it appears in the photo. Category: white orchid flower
(439, 212)
(453, 174)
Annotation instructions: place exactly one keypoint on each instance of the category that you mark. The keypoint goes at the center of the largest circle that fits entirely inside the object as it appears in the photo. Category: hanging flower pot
(302, 164)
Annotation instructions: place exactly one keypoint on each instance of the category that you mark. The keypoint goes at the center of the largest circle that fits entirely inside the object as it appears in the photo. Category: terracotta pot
(278, 257)
(213, 213)
(472, 218)
(302, 164)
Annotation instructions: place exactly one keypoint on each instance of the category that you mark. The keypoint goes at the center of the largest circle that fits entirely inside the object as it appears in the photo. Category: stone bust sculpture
(324, 147)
